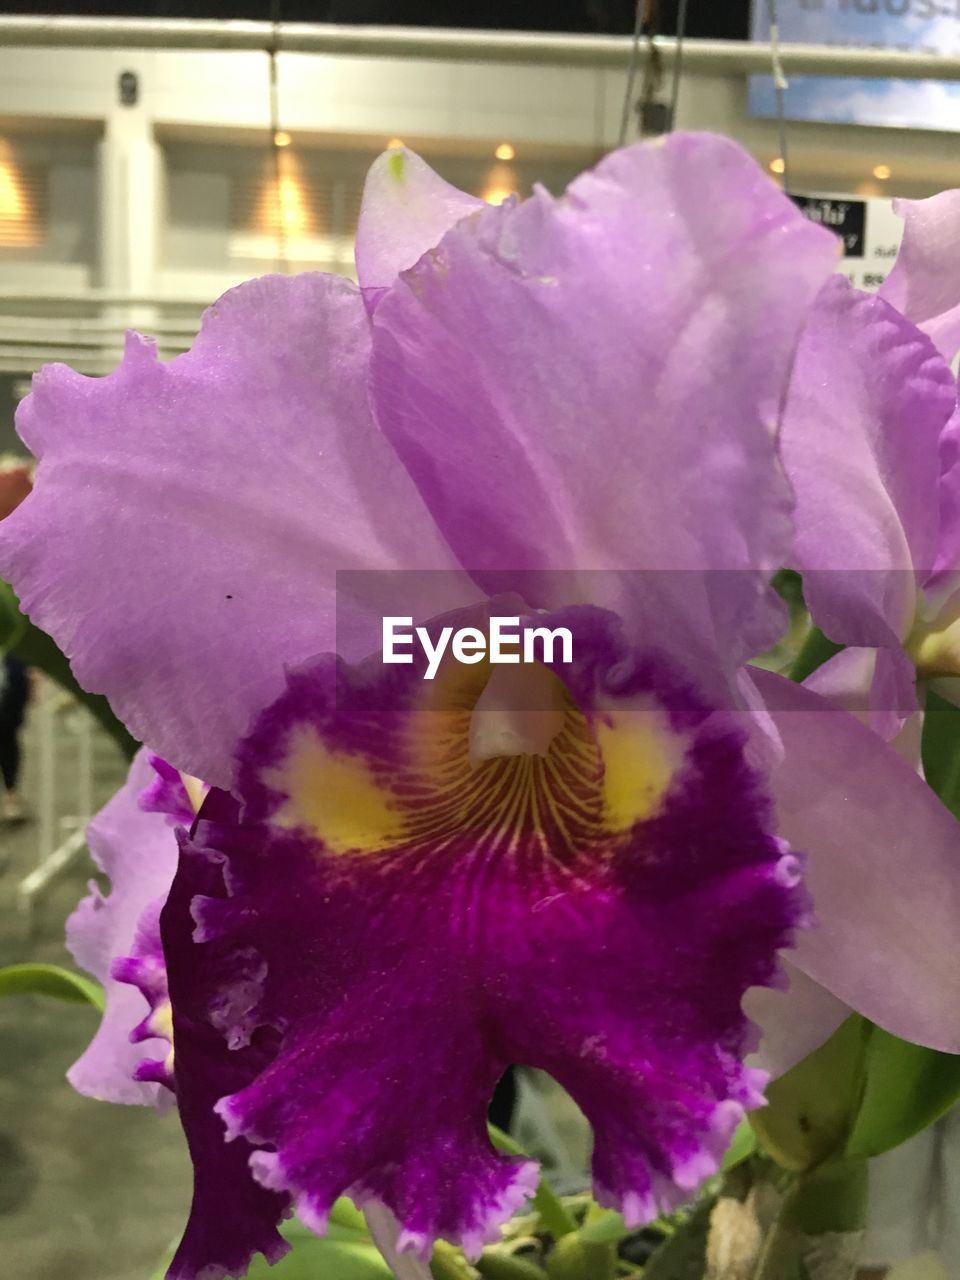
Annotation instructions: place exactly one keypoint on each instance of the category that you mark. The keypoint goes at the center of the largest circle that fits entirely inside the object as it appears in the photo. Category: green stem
(814, 652)
(501, 1266)
(574, 1259)
(448, 1263)
(553, 1212)
(683, 1252)
(345, 1213)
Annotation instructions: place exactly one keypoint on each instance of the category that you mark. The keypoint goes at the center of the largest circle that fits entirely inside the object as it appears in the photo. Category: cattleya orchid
(869, 442)
(563, 410)
(117, 938)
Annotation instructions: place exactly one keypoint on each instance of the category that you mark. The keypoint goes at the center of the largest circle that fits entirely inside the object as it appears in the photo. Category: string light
(777, 165)
(882, 171)
(394, 144)
(281, 138)
(505, 152)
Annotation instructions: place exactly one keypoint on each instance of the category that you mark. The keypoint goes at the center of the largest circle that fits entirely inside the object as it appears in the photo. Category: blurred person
(16, 481)
(14, 697)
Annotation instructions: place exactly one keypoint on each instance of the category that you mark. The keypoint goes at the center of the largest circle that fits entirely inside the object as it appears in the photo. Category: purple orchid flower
(869, 442)
(117, 938)
(924, 282)
(404, 885)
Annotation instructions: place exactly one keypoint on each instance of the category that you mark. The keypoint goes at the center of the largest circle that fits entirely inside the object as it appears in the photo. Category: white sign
(870, 231)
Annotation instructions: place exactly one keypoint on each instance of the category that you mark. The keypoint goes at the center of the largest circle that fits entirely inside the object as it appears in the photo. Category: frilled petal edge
(137, 850)
(225, 489)
(598, 912)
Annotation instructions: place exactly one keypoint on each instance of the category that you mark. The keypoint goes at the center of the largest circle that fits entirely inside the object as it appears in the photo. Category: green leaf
(742, 1145)
(345, 1214)
(577, 1259)
(606, 1227)
(553, 1212)
(12, 621)
(310, 1259)
(50, 980)
(811, 1109)
(817, 650)
(941, 750)
(828, 1200)
(682, 1256)
(342, 1254)
(34, 647)
(500, 1266)
(907, 1089)
(448, 1263)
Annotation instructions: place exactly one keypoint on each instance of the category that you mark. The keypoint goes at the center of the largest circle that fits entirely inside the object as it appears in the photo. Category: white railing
(89, 344)
(62, 732)
(719, 57)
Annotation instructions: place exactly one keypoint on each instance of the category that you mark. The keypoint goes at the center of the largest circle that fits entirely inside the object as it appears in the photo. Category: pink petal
(883, 869)
(188, 519)
(406, 210)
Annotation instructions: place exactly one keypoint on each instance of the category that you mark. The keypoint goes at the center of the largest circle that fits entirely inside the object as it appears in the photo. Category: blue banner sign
(915, 26)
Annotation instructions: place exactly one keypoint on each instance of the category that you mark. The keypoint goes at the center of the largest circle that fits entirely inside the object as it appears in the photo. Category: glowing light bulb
(19, 225)
(882, 171)
(777, 165)
(292, 213)
(281, 138)
(505, 152)
(11, 195)
(394, 144)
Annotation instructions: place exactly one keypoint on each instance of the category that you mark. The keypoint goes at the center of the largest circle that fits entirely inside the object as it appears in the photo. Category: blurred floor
(88, 1191)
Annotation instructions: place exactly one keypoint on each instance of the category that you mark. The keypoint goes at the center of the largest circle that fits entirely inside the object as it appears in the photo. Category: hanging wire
(272, 50)
(652, 119)
(677, 63)
(632, 73)
(780, 85)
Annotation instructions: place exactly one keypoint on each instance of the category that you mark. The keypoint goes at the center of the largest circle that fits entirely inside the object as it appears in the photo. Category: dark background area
(727, 19)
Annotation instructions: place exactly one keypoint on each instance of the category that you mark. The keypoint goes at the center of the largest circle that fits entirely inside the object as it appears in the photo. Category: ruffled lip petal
(407, 971)
(145, 969)
(138, 852)
(385, 1230)
(882, 868)
(232, 1217)
(167, 793)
